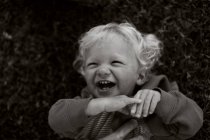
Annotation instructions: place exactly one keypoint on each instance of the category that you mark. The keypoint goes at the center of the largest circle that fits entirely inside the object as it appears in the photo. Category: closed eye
(116, 62)
(91, 65)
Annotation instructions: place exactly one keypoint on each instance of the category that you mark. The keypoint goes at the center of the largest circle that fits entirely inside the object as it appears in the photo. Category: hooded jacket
(176, 116)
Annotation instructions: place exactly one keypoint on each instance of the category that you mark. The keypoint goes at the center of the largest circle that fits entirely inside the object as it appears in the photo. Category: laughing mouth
(105, 85)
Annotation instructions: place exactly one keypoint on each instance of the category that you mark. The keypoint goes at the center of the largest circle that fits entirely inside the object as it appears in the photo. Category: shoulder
(160, 81)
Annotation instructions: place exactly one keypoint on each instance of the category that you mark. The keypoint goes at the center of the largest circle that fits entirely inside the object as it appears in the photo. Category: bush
(39, 40)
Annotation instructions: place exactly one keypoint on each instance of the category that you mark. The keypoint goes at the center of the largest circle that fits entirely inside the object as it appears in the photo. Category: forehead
(111, 45)
(111, 39)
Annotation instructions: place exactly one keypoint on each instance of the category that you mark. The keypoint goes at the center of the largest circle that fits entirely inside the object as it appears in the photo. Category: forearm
(110, 104)
(94, 107)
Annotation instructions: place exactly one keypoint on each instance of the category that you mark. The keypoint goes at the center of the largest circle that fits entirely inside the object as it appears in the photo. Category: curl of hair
(146, 46)
(150, 53)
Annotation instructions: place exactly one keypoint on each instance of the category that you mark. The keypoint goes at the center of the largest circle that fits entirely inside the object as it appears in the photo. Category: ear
(81, 71)
(141, 79)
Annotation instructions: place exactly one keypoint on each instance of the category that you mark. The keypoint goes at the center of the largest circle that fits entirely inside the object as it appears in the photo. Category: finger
(137, 138)
(122, 132)
(155, 100)
(140, 106)
(134, 107)
(130, 100)
(147, 103)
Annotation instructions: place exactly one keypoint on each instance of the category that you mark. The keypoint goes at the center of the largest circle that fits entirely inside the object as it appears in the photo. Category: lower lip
(105, 92)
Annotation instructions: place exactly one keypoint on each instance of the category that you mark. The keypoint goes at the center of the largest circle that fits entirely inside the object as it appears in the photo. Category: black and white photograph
(104, 70)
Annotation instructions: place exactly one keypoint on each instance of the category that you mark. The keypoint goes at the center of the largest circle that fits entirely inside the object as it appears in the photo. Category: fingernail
(145, 115)
(139, 101)
(138, 116)
(132, 111)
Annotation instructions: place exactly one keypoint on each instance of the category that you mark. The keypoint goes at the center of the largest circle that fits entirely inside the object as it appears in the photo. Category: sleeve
(66, 116)
(181, 116)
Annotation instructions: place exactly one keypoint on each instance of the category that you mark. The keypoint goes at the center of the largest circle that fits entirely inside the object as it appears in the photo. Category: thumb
(125, 110)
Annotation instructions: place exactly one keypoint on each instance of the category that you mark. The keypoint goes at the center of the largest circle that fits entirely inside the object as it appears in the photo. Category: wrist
(158, 90)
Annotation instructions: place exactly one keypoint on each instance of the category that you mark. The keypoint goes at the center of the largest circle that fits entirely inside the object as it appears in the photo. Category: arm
(110, 104)
(66, 116)
(180, 114)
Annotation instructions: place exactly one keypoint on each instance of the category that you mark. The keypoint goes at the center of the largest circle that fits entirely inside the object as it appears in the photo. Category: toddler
(116, 61)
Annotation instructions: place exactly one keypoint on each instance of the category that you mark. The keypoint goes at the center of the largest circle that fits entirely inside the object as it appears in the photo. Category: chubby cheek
(89, 77)
(127, 85)
(127, 89)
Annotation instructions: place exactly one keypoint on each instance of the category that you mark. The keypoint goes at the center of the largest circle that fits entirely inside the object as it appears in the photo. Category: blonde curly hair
(146, 46)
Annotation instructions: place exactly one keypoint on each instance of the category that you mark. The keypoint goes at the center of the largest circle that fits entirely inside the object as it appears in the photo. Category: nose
(103, 72)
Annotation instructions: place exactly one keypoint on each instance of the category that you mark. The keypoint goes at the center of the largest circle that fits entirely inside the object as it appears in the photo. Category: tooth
(104, 82)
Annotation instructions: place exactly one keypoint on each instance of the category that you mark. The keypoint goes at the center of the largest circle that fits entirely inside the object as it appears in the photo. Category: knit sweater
(176, 116)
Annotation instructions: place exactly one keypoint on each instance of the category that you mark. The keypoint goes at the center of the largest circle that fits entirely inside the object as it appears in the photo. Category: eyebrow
(118, 56)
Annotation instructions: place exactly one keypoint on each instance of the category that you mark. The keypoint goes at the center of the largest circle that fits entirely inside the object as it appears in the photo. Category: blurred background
(38, 41)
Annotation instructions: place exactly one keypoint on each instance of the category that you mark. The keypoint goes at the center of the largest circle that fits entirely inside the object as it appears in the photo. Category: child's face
(111, 68)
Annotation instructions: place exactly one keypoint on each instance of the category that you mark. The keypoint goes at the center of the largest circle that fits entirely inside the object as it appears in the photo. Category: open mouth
(104, 84)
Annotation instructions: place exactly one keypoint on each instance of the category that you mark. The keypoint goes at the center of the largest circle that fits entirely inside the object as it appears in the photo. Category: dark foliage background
(38, 40)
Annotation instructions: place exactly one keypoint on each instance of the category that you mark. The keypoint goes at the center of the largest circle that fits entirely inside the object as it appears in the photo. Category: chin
(104, 94)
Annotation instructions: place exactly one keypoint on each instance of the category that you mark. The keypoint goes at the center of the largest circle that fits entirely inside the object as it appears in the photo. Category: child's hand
(110, 104)
(149, 98)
